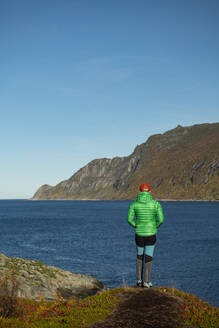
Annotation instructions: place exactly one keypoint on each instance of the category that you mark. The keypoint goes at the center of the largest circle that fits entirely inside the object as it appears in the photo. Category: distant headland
(180, 164)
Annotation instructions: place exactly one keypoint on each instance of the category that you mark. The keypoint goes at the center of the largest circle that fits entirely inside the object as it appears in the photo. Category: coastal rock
(34, 280)
(182, 163)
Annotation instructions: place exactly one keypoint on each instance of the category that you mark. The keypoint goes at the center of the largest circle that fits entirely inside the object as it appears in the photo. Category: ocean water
(93, 237)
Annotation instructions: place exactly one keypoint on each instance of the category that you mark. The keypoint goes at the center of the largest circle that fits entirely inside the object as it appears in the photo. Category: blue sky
(89, 79)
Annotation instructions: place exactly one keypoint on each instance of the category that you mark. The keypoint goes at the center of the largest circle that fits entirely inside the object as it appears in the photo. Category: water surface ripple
(93, 237)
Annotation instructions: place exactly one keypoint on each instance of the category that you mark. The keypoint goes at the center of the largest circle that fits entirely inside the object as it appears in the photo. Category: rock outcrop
(34, 280)
(182, 163)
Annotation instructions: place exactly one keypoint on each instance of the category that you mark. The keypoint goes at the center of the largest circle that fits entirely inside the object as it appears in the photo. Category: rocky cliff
(182, 163)
(34, 280)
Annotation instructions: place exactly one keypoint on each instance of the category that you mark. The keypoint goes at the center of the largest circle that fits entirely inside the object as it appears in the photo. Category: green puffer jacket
(148, 213)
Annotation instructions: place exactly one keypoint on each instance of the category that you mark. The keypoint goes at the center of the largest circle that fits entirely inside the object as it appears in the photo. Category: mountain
(182, 163)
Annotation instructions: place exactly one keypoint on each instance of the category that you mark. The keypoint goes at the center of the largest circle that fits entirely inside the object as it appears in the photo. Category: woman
(149, 216)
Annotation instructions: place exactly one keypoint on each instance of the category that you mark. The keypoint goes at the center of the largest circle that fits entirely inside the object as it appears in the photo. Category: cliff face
(182, 163)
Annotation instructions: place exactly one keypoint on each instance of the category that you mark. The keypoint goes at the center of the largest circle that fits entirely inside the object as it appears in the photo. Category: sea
(93, 237)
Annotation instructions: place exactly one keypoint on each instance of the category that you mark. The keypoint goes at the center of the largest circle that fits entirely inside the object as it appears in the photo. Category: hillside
(127, 307)
(182, 163)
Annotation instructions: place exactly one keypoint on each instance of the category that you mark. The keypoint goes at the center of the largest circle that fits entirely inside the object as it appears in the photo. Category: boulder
(34, 280)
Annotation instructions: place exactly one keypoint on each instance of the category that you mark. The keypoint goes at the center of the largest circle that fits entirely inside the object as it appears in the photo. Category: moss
(196, 312)
(16, 265)
(82, 313)
(74, 313)
(42, 268)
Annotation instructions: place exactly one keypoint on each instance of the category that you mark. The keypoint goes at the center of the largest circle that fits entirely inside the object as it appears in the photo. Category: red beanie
(144, 186)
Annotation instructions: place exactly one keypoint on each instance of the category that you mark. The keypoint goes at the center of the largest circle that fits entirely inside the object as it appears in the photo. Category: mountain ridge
(182, 163)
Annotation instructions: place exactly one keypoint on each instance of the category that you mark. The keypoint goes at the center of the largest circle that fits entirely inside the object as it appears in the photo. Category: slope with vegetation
(182, 163)
(122, 307)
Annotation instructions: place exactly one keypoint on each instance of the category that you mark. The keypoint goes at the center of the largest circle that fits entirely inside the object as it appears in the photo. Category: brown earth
(145, 308)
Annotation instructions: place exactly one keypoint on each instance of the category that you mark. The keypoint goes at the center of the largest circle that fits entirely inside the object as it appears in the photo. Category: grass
(196, 312)
(80, 313)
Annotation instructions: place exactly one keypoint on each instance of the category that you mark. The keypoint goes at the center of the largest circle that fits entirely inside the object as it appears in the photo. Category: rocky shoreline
(34, 280)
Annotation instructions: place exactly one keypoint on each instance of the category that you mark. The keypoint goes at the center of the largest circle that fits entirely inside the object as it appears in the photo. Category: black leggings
(145, 247)
(143, 241)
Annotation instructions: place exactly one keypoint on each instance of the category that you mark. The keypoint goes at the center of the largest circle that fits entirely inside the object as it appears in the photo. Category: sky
(87, 79)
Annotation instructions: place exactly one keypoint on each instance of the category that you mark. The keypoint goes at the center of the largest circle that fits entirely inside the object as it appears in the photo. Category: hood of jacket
(143, 197)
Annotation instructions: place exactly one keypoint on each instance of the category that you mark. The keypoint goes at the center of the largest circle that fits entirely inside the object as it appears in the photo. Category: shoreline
(131, 200)
(112, 200)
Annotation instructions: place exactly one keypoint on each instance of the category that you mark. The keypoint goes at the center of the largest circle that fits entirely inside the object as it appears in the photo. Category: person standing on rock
(148, 216)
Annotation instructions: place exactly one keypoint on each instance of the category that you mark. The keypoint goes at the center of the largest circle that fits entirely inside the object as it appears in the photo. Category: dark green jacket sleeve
(131, 215)
(160, 216)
